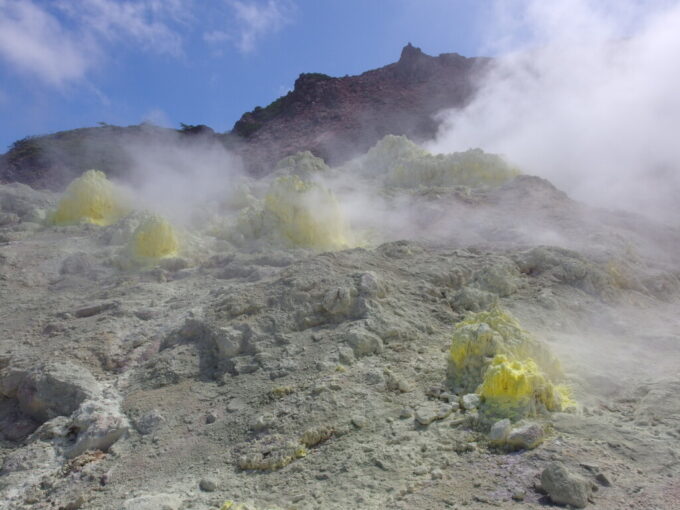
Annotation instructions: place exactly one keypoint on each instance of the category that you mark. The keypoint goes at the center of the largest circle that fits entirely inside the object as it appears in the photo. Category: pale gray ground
(212, 363)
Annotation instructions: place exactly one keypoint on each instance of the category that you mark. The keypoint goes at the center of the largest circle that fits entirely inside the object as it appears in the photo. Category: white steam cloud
(585, 95)
(181, 178)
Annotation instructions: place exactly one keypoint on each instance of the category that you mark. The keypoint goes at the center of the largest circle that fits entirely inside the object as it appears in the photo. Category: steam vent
(327, 308)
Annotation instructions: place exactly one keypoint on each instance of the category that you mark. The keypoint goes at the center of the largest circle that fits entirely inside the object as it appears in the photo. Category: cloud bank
(585, 95)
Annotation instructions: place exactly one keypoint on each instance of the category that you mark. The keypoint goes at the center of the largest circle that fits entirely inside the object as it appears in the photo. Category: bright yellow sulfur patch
(514, 388)
(406, 165)
(307, 214)
(154, 238)
(514, 373)
(91, 198)
(483, 335)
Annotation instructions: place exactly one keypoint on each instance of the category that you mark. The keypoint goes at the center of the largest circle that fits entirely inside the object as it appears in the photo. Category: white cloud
(34, 42)
(142, 22)
(59, 42)
(592, 105)
(254, 20)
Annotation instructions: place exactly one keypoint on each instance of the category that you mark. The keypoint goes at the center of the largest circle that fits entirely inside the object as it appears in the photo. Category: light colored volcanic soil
(210, 365)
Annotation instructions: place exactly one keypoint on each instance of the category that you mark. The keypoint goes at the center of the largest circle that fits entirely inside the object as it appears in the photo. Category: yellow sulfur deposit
(276, 458)
(514, 388)
(154, 238)
(90, 198)
(306, 214)
(406, 165)
(514, 373)
(483, 335)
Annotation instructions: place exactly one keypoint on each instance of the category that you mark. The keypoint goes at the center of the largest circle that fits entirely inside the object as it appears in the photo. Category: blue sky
(67, 64)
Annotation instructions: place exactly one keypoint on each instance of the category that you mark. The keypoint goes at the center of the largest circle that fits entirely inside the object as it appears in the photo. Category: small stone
(370, 285)
(563, 487)
(236, 405)
(518, 495)
(437, 474)
(470, 401)
(526, 437)
(149, 422)
(75, 504)
(363, 342)
(421, 470)
(346, 355)
(262, 422)
(211, 417)
(207, 485)
(359, 421)
(162, 501)
(426, 414)
(405, 413)
(602, 479)
(499, 431)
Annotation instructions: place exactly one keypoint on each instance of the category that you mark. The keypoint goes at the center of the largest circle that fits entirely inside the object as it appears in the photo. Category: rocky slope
(247, 367)
(335, 118)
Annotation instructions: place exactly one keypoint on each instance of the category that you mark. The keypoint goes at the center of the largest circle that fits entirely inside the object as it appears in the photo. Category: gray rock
(426, 414)
(564, 487)
(243, 365)
(470, 401)
(76, 263)
(228, 341)
(370, 285)
(48, 390)
(432, 411)
(345, 355)
(149, 422)
(363, 343)
(603, 480)
(97, 424)
(157, 501)
(207, 485)
(338, 301)
(526, 437)
(499, 431)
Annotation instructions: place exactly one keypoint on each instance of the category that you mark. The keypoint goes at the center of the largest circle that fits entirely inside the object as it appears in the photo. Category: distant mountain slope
(334, 118)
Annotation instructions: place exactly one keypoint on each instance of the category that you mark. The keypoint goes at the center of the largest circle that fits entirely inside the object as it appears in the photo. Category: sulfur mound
(406, 165)
(300, 213)
(91, 198)
(303, 164)
(271, 453)
(154, 238)
(514, 374)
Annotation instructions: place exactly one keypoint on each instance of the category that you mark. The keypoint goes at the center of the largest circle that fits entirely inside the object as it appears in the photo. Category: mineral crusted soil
(287, 378)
